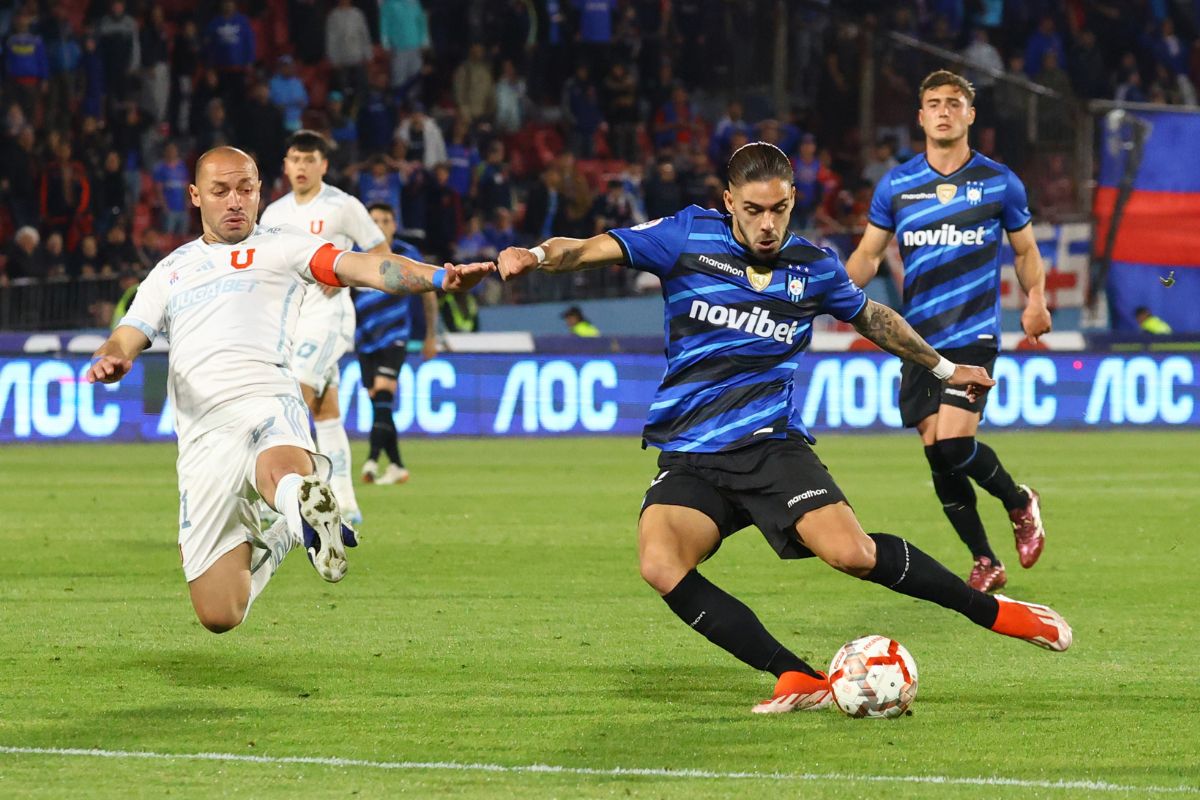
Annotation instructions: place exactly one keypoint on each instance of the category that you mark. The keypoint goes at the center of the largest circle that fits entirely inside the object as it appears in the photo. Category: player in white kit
(325, 332)
(227, 303)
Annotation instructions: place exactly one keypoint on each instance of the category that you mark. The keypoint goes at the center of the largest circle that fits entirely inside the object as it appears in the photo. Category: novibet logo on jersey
(947, 235)
(756, 321)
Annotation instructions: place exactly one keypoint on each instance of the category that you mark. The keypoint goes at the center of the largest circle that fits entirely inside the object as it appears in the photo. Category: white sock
(333, 442)
(287, 503)
(279, 541)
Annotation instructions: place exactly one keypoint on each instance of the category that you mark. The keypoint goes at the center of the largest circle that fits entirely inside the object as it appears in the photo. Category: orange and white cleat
(1028, 529)
(987, 575)
(797, 691)
(1036, 624)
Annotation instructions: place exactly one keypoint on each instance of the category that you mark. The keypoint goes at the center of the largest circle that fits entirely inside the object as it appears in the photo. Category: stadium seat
(86, 343)
(43, 343)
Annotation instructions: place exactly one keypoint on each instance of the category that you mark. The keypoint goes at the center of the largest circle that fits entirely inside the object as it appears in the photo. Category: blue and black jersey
(949, 231)
(384, 319)
(735, 327)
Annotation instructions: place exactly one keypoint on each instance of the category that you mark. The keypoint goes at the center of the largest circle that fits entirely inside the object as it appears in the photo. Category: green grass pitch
(494, 617)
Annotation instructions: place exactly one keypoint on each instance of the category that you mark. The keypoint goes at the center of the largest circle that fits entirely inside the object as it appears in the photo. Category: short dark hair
(382, 207)
(944, 77)
(307, 141)
(758, 161)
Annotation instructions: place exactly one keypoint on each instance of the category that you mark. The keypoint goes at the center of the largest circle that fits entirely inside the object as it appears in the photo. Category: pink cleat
(987, 576)
(1027, 528)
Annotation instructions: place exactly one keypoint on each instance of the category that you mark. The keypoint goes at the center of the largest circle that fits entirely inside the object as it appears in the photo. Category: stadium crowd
(487, 123)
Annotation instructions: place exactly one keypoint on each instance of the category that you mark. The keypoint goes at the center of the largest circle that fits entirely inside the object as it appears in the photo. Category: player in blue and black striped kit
(741, 294)
(949, 209)
(381, 341)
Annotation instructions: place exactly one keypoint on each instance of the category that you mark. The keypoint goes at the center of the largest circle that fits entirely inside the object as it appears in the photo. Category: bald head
(227, 193)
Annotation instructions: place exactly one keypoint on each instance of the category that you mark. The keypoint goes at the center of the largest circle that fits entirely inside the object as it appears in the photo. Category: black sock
(729, 624)
(957, 494)
(903, 568)
(985, 468)
(383, 431)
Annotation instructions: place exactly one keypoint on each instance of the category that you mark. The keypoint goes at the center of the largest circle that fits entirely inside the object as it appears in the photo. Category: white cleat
(392, 475)
(370, 470)
(322, 524)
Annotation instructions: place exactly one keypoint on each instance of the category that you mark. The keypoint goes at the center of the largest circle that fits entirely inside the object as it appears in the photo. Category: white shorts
(217, 494)
(324, 333)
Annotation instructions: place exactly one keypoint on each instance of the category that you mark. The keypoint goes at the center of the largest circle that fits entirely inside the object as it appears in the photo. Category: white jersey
(336, 217)
(229, 313)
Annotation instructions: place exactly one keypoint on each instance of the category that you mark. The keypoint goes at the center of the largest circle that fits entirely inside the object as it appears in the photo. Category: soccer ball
(873, 677)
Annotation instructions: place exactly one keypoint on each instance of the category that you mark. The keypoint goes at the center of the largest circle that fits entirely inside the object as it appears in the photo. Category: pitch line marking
(614, 772)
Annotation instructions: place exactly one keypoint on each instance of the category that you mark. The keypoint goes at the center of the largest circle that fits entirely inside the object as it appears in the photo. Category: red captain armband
(321, 265)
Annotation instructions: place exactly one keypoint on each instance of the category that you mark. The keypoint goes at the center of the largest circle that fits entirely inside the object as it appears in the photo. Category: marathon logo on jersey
(810, 494)
(721, 265)
(918, 196)
(947, 235)
(756, 321)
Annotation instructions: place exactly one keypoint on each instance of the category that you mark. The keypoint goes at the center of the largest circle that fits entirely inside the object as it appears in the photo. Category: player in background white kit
(325, 332)
(227, 303)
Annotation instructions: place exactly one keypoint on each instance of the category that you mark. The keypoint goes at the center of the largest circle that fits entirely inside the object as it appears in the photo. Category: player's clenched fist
(108, 369)
(516, 261)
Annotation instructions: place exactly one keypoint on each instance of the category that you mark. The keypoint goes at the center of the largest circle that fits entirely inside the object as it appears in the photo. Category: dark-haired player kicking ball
(741, 294)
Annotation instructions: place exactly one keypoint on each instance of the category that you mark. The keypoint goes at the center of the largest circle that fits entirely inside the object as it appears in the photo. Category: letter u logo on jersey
(236, 256)
(316, 226)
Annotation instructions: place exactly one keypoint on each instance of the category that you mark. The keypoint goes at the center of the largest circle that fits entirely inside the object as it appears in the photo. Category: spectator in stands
(343, 131)
(613, 209)
(1055, 117)
(1151, 324)
(1088, 74)
(120, 50)
(404, 30)
(422, 138)
(348, 48)
(56, 258)
(18, 176)
(883, 159)
(806, 169)
(118, 253)
(215, 130)
(65, 194)
(473, 245)
(86, 262)
(510, 99)
(127, 285)
(621, 111)
(664, 196)
(1169, 50)
(543, 207)
(231, 48)
(171, 180)
(474, 88)
(1045, 39)
(288, 93)
(92, 69)
(459, 312)
(64, 54)
(443, 213)
(376, 117)
(673, 121)
(463, 158)
(26, 69)
(186, 54)
(26, 260)
(111, 200)
(494, 187)
(581, 112)
(578, 325)
(306, 28)
(499, 231)
(700, 183)
(734, 122)
(261, 132)
(1129, 89)
(150, 251)
(156, 67)
(1053, 189)
(381, 182)
(576, 195)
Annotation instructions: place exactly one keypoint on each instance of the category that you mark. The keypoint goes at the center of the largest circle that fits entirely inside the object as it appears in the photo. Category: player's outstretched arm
(115, 357)
(890, 331)
(864, 262)
(399, 275)
(1031, 274)
(561, 254)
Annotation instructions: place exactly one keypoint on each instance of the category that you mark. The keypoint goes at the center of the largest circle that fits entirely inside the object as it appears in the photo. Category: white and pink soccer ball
(873, 677)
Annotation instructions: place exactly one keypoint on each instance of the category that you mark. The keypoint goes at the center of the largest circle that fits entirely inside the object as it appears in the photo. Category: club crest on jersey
(974, 193)
(796, 286)
(946, 192)
(236, 261)
(759, 277)
(316, 225)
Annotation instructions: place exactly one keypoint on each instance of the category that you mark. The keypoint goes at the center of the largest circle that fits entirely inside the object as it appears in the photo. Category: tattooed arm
(399, 275)
(890, 331)
(561, 254)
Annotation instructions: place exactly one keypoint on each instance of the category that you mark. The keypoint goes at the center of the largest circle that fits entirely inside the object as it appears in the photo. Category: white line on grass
(614, 772)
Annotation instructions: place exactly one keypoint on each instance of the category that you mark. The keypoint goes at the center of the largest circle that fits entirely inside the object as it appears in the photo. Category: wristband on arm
(540, 253)
(943, 369)
(438, 278)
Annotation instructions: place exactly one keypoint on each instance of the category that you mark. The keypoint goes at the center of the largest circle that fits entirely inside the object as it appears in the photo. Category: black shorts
(771, 485)
(921, 394)
(385, 362)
